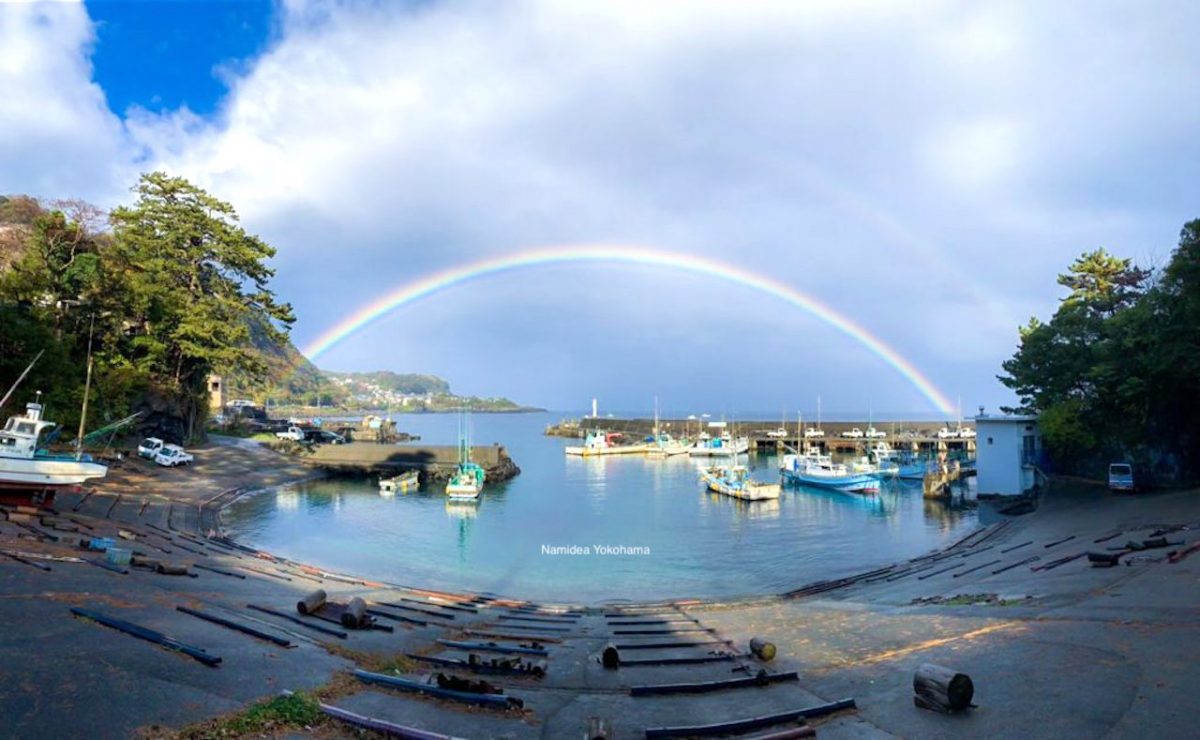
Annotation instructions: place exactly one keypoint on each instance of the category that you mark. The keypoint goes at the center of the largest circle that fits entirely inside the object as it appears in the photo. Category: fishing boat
(406, 481)
(23, 465)
(735, 481)
(661, 444)
(599, 442)
(467, 480)
(722, 445)
(820, 471)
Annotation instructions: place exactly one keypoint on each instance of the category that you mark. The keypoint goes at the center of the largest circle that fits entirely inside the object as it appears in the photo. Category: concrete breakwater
(436, 462)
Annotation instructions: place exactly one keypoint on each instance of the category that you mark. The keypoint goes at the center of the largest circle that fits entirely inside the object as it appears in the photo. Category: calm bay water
(699, 544)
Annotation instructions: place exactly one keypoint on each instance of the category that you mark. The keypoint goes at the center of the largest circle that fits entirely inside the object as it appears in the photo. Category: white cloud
(57, 135)
(924, 169)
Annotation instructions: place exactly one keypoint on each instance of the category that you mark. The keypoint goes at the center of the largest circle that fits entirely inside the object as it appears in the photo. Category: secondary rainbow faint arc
(454, 276)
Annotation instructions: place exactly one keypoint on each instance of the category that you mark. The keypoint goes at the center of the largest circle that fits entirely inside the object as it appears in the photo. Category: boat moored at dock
(599, 442)
(723, 444)
(822, 472)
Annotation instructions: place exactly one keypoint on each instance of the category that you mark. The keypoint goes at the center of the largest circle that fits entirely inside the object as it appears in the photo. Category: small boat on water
(722, 445)
(735, 481)
(599, 442)
(666, 446)
(406, 481)
(467, 481)
(23, 465)
(820, 471)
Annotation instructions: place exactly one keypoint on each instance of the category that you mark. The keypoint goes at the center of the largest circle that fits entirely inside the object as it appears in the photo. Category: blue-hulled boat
(820, 471)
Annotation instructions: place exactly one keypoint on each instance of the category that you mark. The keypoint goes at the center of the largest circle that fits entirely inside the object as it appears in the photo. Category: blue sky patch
(163, 55)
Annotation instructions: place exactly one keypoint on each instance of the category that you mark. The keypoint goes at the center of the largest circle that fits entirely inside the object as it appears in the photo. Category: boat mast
(15, 384)
(87, 389)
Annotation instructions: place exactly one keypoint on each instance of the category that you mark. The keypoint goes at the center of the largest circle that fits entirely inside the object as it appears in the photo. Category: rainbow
(454, 276)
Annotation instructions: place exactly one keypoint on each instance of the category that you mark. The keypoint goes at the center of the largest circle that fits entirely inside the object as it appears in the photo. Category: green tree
(190, 282)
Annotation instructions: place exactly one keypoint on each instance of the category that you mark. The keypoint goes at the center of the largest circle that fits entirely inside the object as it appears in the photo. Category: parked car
(171, 456)
(323, 436)
(779, 433)
(1120, 477)
(810, 433)
(149, 447)
(873, 433)
(854, 433)
(966, 433)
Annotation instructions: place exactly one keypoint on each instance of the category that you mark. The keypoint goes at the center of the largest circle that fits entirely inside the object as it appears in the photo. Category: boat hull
(577, 451)
(47, 472)
(854, 483)
(407, 482)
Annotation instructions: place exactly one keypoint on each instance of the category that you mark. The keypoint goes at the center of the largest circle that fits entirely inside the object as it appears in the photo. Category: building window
(989, 440)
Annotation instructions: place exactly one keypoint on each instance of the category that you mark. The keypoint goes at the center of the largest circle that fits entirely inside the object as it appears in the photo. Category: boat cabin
(20, 435)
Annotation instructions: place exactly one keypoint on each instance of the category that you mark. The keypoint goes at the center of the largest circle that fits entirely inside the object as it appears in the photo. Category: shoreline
(857, 636)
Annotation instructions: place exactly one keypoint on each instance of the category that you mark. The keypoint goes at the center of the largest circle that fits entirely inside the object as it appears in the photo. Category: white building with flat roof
(1007, 450)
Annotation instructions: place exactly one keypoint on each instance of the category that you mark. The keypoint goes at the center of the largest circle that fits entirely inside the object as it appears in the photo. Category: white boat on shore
(735, 481)
(23, 465)
(599, 442)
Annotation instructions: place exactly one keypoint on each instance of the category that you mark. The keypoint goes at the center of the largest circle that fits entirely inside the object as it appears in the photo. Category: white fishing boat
(406, 481)
(467, 480)
(720, 444)
(822, 472)
(735, 481)
(599, 442)
(23, 465)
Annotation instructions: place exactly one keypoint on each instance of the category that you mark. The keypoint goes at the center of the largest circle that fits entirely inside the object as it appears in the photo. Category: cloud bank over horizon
(925, 171)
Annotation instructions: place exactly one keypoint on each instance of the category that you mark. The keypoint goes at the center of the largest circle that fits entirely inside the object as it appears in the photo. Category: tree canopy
(168, 294)
(1115, 373)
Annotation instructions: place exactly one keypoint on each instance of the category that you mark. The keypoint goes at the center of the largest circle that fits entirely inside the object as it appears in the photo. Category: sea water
(591, 529)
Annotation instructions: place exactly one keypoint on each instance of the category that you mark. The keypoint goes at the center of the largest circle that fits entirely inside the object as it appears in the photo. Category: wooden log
(167, 569)
(355, 614)
(311, 602)
(763, 650)
(942, 689)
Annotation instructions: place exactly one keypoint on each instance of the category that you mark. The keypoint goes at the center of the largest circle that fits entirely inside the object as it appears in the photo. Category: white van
(1120, 477)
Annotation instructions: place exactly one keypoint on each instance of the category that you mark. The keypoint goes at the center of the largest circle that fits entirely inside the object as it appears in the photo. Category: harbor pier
(919, 437)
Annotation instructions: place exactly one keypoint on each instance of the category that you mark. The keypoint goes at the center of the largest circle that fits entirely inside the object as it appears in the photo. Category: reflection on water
(680, 539)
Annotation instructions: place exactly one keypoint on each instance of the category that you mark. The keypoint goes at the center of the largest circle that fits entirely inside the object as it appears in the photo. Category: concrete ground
(1071, 651)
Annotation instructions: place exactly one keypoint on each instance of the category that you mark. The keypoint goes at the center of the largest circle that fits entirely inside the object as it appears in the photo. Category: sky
(921, 170)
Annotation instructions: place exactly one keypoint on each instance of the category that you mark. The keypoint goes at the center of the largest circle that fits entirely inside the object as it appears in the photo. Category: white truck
(296, 434)
(149, 447)
(171, 456)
